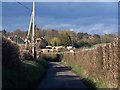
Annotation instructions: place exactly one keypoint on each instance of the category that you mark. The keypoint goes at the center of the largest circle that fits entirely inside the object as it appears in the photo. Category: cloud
(99, 29)
(0, 27)
(67, 25)
(71, 29)
(95, 27)
(58, 26)
(108, 31)
(83, 17)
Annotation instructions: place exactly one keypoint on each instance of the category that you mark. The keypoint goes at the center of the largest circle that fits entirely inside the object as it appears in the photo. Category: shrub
(25, 55)
(52, 57)
(82, 44)
(29, 75)
(10, 53)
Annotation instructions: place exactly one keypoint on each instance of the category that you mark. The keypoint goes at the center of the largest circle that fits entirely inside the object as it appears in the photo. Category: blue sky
(90, 17)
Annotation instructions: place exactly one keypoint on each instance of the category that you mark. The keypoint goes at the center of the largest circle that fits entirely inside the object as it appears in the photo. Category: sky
(90, 17)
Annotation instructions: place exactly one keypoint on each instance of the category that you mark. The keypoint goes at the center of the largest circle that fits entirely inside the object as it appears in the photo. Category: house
(16, 39)
(20, 41)
(53, 49)
(47, 49)
(69, 47)
(58, 48)
(38, 40)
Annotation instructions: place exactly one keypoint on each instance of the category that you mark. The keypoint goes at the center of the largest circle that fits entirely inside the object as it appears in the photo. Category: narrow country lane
(60, 76)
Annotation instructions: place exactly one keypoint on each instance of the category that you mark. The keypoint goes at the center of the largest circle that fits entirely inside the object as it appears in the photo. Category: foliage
(4, 32)
(19, 33)
(39, 33)
(81, 35)
(28, 75)
(10, 53)
(49, 34)
(89, 81)
(65, 39)
(86, 80)
(25, 55)
(97, 39)
(55, 41)
(43, 43)
(81, 44)
(107, 38)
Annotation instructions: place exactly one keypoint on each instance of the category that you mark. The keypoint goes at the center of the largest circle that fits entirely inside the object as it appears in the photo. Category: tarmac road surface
(60, 76)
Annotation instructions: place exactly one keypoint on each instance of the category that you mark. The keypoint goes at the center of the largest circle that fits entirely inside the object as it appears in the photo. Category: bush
(52, 57)
(10, 53)
(29, 75)
(25, 55)
(82, 44)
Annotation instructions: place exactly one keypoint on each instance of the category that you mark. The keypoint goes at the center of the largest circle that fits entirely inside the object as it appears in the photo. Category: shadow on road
(60, 76)
(63, 69)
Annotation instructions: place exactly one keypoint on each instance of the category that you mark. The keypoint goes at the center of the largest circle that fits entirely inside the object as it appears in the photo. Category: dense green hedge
(18, 73)
(28, 75)
(10, 53)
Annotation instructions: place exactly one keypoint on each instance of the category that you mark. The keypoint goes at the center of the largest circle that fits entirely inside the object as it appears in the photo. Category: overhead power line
(24, 6)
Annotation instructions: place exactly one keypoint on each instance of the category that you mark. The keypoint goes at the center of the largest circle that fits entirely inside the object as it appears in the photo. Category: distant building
(47, 50)
(58, 48)
(20, 41)
(69, 47)
(49, 47)
(39, 39)
(90, 37)
(16, 39)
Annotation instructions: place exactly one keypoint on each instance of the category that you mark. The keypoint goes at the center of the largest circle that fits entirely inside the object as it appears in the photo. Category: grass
(89, 81)
(78, 70)
(27, 75)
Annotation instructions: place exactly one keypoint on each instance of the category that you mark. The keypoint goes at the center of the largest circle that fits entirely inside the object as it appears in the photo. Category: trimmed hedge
(51, 57)
(10, 53)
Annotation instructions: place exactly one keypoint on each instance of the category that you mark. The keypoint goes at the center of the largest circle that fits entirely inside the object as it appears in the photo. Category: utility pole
(32, 23)
(26, 41)
(33, 29)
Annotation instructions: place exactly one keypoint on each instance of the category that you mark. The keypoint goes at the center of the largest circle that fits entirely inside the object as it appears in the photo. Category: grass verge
(27, 75)
(89, 81)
